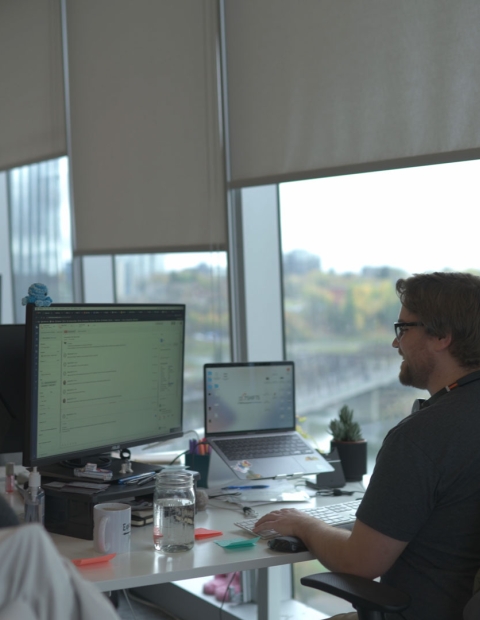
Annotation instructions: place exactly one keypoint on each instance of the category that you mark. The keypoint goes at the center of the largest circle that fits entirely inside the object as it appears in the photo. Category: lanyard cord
(421, 403)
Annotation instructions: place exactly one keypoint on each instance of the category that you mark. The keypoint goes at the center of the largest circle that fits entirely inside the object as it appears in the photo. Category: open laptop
(250, 420)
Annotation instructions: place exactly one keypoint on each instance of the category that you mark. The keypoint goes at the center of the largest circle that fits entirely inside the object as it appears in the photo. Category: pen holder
(200, 463)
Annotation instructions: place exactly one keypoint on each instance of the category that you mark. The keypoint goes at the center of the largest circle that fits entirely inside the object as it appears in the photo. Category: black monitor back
(12, 388)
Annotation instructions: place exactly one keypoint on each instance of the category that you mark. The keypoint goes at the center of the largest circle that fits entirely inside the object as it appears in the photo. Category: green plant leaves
(344, 428)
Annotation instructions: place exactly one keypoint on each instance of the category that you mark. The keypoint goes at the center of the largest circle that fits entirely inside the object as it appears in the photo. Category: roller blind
(32, 110)
(324, 85)
(145, 148)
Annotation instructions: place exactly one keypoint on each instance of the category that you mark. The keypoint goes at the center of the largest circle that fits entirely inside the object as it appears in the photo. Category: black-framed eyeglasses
(400, 327)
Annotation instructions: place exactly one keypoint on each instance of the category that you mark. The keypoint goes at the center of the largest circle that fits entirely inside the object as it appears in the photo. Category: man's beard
(415, 376)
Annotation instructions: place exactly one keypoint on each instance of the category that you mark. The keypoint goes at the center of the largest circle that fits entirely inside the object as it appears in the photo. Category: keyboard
(339, 515)
(263, 447)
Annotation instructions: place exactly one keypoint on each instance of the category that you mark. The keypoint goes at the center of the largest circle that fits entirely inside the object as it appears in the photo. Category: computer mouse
(290, 544)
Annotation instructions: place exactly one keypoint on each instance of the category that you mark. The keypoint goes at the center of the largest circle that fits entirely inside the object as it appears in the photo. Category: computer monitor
(12, 391)
(101, 378)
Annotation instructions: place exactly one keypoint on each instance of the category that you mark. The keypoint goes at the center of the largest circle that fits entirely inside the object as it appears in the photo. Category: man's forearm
(364, 551)
(330, 545)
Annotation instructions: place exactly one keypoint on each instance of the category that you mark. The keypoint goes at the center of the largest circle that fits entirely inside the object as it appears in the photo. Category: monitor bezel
(29, 460)
(12, 388)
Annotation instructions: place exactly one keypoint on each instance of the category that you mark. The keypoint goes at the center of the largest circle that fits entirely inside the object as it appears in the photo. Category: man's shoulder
(462, 401)
(438, 427)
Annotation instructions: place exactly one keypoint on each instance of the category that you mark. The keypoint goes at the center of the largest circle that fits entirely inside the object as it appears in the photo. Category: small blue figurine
(38, 295)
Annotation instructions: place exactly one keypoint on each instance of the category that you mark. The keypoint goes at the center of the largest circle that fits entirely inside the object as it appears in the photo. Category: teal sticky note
(237, 543)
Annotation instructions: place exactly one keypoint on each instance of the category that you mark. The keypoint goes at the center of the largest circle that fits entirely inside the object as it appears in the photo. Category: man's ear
(440, 344)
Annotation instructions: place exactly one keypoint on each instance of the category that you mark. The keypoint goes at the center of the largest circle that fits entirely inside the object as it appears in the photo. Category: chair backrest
(373, 599)
(370, 598)
(472, 608)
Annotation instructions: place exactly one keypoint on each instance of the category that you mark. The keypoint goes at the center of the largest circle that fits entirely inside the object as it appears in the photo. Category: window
(40, 231)
(345, 242)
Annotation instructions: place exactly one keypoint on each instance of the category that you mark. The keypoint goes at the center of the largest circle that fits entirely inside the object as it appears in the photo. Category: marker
(253, 486)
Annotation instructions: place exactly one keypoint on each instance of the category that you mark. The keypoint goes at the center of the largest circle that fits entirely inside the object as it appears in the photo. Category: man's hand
(287, 522)
(364, 551)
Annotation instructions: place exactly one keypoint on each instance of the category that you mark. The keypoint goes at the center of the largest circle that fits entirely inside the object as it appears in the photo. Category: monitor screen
(101, 378)
(12, 388)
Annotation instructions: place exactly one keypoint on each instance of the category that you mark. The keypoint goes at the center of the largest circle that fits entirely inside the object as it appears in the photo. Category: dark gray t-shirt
(425, 490)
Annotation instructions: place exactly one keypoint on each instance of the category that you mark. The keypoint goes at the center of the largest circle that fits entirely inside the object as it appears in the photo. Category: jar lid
(175, 478)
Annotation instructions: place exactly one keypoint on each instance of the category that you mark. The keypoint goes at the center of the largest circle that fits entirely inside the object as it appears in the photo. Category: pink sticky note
(96, 560)
(202, 532)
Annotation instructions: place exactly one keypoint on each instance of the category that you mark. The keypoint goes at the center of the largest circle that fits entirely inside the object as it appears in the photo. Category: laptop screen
(249, 397)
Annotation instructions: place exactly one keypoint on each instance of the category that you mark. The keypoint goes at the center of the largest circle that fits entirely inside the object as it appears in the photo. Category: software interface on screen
(104, 376)
(248, 398)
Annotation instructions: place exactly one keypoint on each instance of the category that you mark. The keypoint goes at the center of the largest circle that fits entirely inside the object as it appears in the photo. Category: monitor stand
(60, 471)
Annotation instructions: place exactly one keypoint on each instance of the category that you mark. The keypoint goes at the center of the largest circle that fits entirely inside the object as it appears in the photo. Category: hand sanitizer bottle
(34, 499)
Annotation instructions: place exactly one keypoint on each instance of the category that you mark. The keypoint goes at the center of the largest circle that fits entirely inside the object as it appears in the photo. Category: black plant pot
(353, 455)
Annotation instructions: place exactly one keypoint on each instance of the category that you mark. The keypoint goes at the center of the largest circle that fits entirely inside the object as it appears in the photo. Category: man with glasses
(418, 525)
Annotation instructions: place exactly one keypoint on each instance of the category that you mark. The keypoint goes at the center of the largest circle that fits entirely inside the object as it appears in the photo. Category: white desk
(143, 566)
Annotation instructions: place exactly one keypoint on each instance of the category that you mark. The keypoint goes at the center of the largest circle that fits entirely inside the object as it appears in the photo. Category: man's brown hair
(447, 303)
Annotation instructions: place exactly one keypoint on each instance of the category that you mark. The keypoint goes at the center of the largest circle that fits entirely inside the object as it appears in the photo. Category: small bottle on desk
(9, 477)
(34, 499)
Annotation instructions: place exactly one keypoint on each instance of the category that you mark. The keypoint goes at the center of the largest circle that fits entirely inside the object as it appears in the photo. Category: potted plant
(347, 438)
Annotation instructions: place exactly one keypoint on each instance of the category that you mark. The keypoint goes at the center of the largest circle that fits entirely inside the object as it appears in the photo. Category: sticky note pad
(95, 560)
(237, 543)
(202, 532)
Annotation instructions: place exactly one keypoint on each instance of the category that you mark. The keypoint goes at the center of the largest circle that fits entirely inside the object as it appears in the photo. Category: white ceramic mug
(111, 527)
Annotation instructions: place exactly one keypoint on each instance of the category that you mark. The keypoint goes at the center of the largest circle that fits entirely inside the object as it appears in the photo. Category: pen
(252, 486)
(145, 480)
(135, 478)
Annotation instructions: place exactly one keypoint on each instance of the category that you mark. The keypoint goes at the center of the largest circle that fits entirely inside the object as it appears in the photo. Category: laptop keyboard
(263, 447)
(339, 515)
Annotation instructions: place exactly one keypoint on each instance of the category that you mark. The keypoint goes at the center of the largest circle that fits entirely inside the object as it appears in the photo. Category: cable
(178, 456)
(129, 604)
(198, 442)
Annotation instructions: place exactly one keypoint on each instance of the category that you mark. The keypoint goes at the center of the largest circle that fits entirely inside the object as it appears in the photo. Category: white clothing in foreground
(36, 583)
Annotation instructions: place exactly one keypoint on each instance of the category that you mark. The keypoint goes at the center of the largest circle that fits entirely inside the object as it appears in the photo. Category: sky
(417, 219)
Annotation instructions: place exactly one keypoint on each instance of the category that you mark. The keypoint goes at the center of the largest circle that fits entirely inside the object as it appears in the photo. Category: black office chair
(372, 599)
